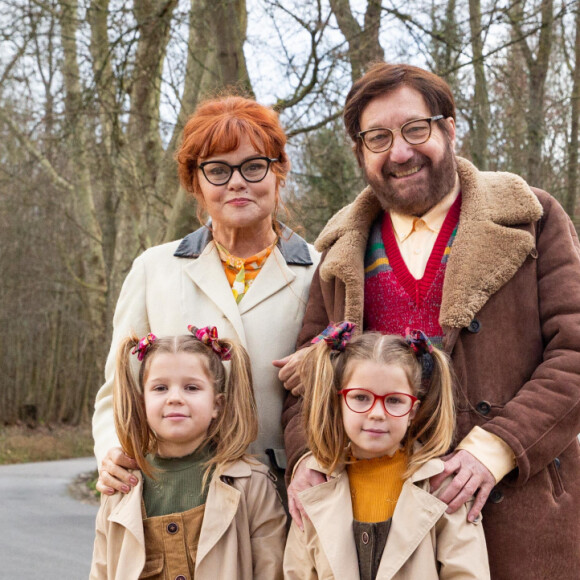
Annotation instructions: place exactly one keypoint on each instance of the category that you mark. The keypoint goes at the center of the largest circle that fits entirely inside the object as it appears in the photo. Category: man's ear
(450, 121)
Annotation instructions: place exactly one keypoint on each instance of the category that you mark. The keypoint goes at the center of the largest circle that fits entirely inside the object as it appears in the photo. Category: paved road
(44, 533)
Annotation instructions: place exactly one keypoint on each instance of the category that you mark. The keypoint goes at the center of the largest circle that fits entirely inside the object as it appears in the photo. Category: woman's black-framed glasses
(363, 400)
(252, 170)
(415, 132)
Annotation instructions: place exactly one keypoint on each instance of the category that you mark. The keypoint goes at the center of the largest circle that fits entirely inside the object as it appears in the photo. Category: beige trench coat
(242, 535)
(424, 542)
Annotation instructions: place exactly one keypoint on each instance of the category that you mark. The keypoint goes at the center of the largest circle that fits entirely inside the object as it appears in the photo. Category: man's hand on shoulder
(470, 478)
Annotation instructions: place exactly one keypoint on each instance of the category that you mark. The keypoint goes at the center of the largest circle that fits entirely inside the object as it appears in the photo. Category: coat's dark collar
(293, 248)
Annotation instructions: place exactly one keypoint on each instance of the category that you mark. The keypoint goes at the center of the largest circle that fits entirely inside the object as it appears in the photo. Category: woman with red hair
(243, 272)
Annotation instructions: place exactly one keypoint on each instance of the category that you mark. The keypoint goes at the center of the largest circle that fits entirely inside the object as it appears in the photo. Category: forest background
(94, 95)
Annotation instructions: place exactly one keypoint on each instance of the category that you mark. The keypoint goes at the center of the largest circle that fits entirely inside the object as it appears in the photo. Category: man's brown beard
(423, 198)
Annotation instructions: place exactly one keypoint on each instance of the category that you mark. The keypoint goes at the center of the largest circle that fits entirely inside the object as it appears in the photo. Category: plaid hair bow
(143, 346)
(209, 336)
(422, 347)
(336, 336)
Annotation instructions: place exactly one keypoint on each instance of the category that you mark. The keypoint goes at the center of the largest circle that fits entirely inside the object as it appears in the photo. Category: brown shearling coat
(511, 319)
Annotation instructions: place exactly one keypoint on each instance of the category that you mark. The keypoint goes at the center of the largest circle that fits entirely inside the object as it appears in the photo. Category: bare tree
(537, 62)
(110, 163)
(572, 176)
(363, 41)
(479, 123)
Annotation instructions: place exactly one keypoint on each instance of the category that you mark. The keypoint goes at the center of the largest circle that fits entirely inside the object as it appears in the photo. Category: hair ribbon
(209, 336)
(336, 336)
(143, 346)
(422, 347)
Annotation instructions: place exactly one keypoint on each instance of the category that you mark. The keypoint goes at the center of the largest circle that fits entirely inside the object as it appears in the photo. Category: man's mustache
(390, 168)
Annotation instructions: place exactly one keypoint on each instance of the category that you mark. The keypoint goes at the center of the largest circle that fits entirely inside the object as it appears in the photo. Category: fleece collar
(491, 244)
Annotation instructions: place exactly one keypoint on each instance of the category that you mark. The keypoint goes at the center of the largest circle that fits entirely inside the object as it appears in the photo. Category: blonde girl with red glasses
(378, 412)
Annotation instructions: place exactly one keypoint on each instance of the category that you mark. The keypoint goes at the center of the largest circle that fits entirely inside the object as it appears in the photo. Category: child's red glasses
(363, 400)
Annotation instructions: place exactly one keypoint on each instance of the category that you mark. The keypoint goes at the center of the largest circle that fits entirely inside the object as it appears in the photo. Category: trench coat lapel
(334, 526)
(128, 512)
(207, 273)
(274, 276)
(220, 509)
(419, 506)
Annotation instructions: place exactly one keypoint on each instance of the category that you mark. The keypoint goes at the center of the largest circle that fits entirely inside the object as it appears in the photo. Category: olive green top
(176, 483)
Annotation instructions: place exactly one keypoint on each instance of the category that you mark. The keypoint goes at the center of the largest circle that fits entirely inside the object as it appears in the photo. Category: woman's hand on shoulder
(303, 478)
(289, 373)
(114, 474)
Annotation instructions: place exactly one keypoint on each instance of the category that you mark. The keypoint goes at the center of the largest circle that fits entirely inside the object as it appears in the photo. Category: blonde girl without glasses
(201, 508)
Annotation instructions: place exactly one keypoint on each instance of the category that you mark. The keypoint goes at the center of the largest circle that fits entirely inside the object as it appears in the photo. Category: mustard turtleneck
(375, 486)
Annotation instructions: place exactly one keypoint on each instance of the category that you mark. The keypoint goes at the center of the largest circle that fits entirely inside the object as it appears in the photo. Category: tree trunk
(480, 121)
(215, 60)
(90, 275)
(537, 72)
(153, 20)
(138, 205)
(110, 144)
(363, 43)
(230, 22)
(445, 42)
(572, 177)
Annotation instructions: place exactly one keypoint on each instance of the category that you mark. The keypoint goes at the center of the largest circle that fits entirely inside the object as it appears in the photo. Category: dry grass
(21, 444)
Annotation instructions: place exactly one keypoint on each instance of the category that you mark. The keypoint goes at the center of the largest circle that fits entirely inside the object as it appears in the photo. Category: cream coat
(165, 292)
(424, 542)
(242, 535)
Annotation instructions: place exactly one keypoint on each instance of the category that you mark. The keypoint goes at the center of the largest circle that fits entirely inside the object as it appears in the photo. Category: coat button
(483, 407)
(557, 462)
(365, 538)
(474, 326)
(172, 528)
(496, 496)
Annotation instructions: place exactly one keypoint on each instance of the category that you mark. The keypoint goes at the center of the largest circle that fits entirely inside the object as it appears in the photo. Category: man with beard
(489, 268)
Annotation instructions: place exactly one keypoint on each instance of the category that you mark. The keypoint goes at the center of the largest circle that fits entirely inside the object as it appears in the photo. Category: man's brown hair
(383, 78)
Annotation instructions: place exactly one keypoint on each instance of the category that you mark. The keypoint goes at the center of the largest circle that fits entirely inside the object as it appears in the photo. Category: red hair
(218, 126)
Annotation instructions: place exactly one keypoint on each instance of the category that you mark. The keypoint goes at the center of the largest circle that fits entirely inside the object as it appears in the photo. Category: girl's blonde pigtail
(322, 416)
(237, 424)
(434, 423)
(135, 435)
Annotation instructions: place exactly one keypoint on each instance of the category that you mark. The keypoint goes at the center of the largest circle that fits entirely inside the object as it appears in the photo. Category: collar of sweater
(196, 458)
